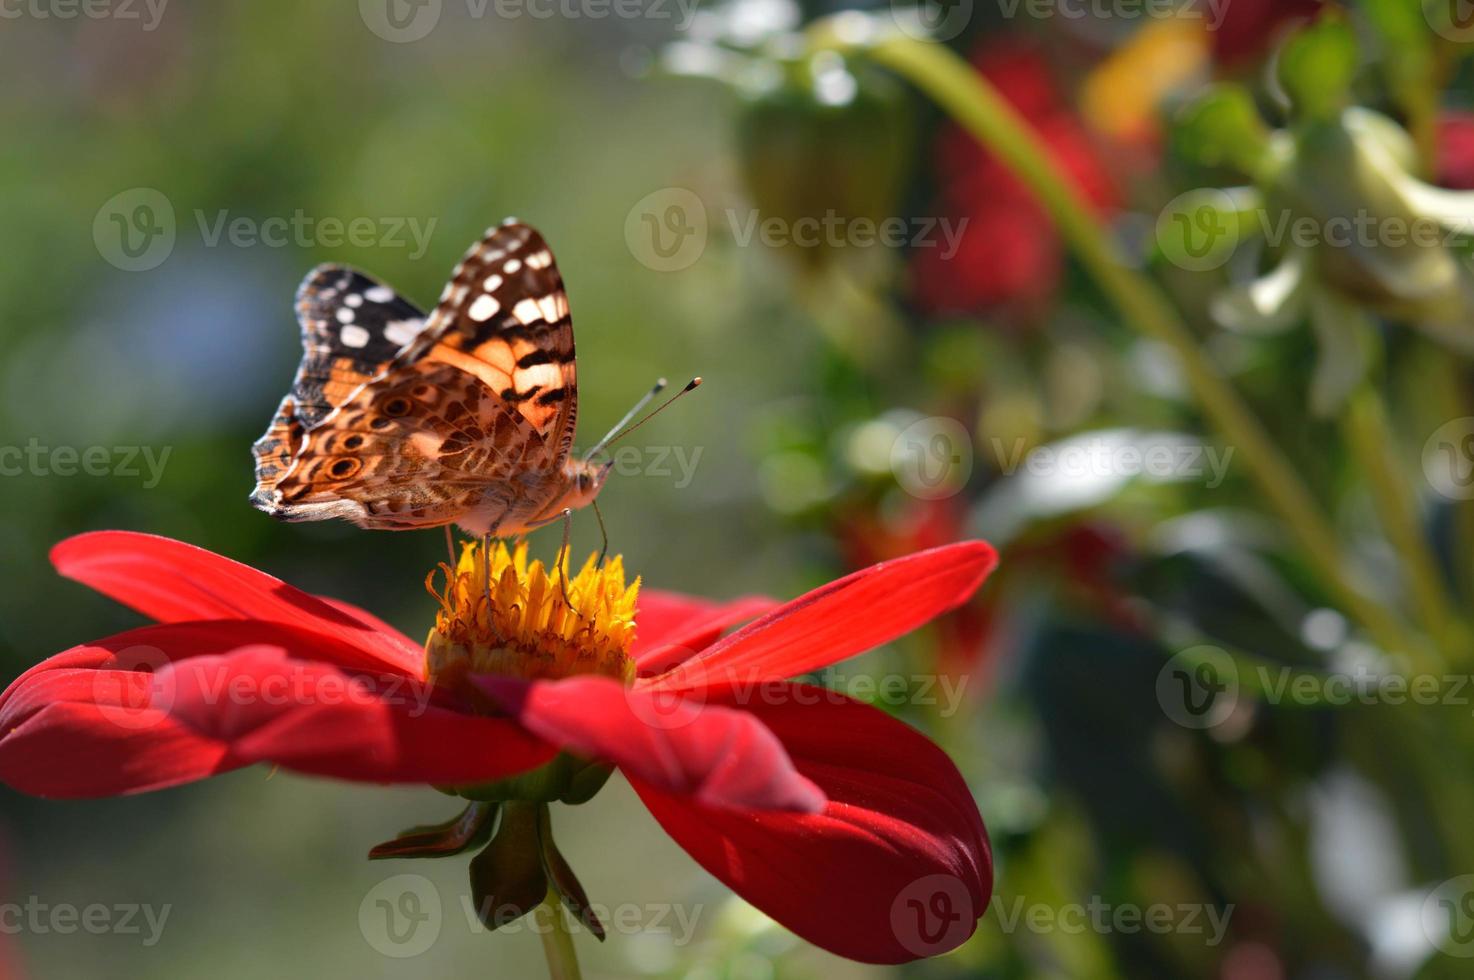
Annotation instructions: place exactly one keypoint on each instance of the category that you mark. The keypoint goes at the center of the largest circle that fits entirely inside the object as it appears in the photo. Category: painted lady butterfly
(399, 421)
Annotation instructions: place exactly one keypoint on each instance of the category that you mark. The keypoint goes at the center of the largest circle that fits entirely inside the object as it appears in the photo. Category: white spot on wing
(402, 332)
(354, 336)
(492, 283)
(379, 294)
(353, 299)
(484, 308)
(512, 266)
(345, 314)
(527, 311)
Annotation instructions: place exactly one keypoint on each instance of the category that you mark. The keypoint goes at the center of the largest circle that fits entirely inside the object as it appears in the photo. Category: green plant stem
(973, 103)
(557, 940)
(1371, 439)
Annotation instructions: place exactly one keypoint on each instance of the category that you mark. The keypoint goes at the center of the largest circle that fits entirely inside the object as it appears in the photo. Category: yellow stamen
(529, 630)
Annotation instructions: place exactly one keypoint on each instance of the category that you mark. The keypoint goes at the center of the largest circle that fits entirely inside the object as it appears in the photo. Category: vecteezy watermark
(1451, 19)
(36, 458)
(1165, 458)
(136, 230)
(1448, 459)
(933, 914)
(834, 230)
(943, 20)
(401, 916)
(402, 21)
(141, 685)
(655, 462)
(38, 918)
(667, 230)
(932, 458)
(679, 922)
(1448, 916)
(676, 704)
(1200, 229)
(1103, 917)
(404, 915)
(1200, 687)
(147, 12)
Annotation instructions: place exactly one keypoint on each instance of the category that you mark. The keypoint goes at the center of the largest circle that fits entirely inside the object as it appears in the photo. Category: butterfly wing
(352, 327)
(504, 318)
(421, 447)
(397, 421)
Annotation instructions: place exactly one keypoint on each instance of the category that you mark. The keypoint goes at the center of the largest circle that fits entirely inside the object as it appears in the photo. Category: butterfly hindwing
(419, 448)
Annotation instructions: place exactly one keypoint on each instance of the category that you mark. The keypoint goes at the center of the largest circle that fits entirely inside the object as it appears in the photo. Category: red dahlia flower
(1008, 251)
(840, 822)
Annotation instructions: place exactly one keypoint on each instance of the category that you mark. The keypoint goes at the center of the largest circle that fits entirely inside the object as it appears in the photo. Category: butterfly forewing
(504, 318)
(352, 328)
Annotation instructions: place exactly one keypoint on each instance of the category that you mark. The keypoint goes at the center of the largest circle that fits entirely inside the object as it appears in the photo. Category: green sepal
(564, 881)
(507, 878)
(471, 828)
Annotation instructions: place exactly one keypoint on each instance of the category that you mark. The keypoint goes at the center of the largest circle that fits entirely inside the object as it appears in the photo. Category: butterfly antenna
(615, 434)
(634, 410)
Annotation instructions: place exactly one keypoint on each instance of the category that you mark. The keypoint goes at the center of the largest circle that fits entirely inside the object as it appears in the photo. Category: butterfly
(397, 420)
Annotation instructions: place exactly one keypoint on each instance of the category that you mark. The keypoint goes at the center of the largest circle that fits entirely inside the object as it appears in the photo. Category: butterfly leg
(450, 548)
(486, 540)
(563, 555)
(604, 534)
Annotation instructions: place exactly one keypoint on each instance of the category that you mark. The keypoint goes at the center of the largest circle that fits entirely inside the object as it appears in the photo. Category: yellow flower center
(529, 629)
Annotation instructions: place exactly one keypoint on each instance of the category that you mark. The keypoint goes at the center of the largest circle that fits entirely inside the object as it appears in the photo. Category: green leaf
(1223, 128)
(1317, 65)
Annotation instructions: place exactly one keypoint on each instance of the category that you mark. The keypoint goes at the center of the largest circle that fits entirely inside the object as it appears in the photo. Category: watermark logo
(1448, 916)
(667, 707)
(401, 916)
(149, 13)
(1198, 687)
(1448, 459)
(400, 21)
(666, 230)
(1102, 917)
(932, 20)
(1451, 19)
(39, 918)
(1198, 230)
(933, 914)
(932, 458)
(135, 230)
(36, 458)
(130, 692)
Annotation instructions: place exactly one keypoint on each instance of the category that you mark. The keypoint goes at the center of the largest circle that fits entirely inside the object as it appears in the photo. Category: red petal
(897, 867)
(721, 756)
(264, 706)
(81, 724)
(838, 620)
(171, 582)
(672, 627)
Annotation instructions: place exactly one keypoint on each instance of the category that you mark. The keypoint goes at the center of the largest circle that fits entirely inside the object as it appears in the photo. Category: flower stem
(976, 106)
(557, 940)
(1370, 436)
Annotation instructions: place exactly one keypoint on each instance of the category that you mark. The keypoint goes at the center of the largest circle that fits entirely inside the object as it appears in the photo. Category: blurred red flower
(1248, 28)
(1008, 250)
(822, 811)
(1456, 150)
